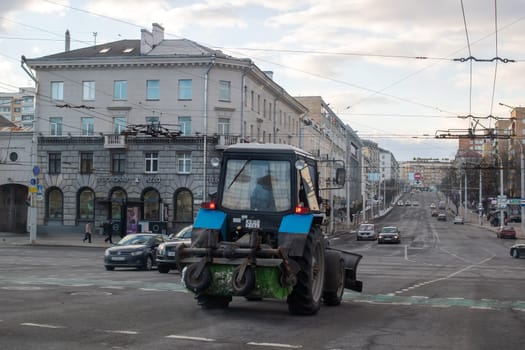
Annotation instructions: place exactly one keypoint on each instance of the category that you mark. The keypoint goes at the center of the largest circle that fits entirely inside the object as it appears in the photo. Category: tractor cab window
(307, 194)
(258, 185)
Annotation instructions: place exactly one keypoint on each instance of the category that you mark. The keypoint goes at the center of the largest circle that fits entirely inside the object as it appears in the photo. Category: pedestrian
(87, 233)
(108, 232)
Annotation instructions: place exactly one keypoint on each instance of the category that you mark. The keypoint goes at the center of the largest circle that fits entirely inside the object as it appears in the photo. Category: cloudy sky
(364, 57)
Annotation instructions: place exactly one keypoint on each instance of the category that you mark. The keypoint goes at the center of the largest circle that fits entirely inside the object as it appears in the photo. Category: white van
(367, 232)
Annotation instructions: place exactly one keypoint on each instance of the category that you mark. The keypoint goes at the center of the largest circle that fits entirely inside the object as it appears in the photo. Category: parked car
(167, 251)
(367, 232)
(434, 213)
(134, 250)
(506, 232)
(442, 217)
(517, 250)
(408, 203)
(389, 234)
(432, 206)
(459, 220)
(400, 203)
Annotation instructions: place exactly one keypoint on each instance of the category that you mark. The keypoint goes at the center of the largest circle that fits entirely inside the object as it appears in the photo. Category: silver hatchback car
(367, 232)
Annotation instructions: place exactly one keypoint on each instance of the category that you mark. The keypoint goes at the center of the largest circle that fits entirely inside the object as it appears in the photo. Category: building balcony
(224, 141)
(114, 141)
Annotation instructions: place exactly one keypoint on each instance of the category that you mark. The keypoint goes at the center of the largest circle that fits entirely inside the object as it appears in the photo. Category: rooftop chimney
(68, 41)
(158, 34)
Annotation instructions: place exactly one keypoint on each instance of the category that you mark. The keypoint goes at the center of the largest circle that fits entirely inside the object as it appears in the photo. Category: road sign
(417, 176)
(36, 170)
(522, 202)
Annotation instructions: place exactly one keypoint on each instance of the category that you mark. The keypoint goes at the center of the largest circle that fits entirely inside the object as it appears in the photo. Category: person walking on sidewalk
(108, 232)
(87, 234)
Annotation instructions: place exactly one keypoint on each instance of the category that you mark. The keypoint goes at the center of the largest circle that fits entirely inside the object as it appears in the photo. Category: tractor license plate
(252, 223)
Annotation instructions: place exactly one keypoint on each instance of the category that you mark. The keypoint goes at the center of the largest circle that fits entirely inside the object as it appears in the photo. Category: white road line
(122, 332)
(276, 345)
(112, 287)
(482, 308)
(151, 290)
(184, 337)
(41, 325)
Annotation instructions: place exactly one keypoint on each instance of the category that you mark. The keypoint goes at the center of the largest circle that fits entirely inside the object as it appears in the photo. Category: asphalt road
(444, 287)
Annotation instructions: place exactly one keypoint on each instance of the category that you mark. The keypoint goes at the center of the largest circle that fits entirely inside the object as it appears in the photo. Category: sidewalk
(54, 239)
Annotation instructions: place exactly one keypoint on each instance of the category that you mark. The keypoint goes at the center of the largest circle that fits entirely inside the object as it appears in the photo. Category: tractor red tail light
(208, 205)
(302, 210)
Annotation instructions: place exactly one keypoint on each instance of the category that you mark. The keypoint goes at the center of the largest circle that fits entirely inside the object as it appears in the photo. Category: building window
(183, 206)
(118, 200)
(54, 163)
(151, 205)
(88, 90)
(119, 125)
(57, 90)
(224, 126)
(184, 162)
(225, 90)
(86, 204)
(155, 121)
(252, 100)
(55, 124)
(55, 202)
(152, 162)
(258, 104)
(185, 125)
(120, 90)
(153, 89)
(118, 163)
(86, 162)
(88, 126)
(185, 89)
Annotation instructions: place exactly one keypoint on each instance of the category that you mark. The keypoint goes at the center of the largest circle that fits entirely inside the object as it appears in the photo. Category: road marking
(276, 345)
(446, 277)
(185, 337)
(41, 325)
(112, 287)
(122, 332)
(389, 299)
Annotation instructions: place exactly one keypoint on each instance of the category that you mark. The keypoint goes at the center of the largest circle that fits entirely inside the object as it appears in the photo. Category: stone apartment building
(18, 107)
(179, 104)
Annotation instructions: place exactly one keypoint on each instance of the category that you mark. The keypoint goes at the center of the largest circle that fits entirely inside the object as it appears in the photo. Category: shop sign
(112, 179)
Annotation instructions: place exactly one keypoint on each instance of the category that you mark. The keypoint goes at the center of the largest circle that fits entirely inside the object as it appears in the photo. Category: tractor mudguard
(351, 262)
(293, 231)
(211, 219)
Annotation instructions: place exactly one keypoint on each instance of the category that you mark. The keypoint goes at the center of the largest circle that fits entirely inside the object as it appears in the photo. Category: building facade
(127, 130)
(18, 107)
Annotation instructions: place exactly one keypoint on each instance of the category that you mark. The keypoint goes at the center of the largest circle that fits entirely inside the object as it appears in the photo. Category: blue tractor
(260, 236)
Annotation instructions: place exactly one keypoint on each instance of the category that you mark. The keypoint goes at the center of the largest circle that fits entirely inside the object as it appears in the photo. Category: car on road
(432, 206)
(434, 213)
(517, 250)
(400, 203)
(458, 219)
(506, 232)
(167, 251)
(408, 203)
(367, 232)
(134, 250)
(389, 234)
(442, 217)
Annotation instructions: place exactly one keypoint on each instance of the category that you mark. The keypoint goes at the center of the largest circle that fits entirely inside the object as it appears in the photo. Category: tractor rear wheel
(306, 295)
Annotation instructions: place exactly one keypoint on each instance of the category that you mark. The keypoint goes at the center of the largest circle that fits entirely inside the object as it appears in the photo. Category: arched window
(54, 204)
(118, 200)
(151, 199)
(183, 206)
(86, 204)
